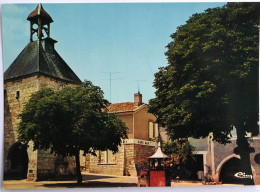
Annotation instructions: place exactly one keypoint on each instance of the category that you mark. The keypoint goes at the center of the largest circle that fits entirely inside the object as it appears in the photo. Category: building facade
(220, 162)
(140, 143)
(37, 66)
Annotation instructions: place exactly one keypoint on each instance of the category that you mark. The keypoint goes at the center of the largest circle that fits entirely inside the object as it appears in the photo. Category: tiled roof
(34, 59)
(39, 11)
(123, 107)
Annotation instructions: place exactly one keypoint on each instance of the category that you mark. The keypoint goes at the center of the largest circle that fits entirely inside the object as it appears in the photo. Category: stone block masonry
(122, 163)
(17, 92)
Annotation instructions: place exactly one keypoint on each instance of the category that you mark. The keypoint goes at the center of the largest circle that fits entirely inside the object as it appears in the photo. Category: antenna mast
(110, 83)
(138, 86)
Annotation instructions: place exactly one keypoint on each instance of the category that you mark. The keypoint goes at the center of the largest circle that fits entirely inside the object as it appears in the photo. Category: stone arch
(233, 157)
(220, 165)
(18, 158)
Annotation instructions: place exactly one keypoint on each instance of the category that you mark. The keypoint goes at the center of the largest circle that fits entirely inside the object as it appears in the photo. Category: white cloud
(11, 9)
(15, 28)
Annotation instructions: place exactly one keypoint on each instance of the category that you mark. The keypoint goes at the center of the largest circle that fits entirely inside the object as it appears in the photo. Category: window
(151, 130)
(17, 94)
(107, 157)
(156, 130)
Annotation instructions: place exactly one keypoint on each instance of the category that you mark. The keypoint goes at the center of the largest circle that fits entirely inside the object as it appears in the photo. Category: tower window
(17, 94)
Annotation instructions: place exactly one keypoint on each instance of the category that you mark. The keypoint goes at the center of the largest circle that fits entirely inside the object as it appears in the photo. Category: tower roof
(40, 12)
(36, 59)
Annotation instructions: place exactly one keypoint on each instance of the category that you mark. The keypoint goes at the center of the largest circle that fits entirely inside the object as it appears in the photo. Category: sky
(126, 40)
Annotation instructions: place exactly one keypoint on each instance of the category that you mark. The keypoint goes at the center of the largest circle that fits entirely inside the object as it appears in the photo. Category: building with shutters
(37, 66)
(143, 129)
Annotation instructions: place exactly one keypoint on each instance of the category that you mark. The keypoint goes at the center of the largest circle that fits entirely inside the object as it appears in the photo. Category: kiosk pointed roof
(159, 154)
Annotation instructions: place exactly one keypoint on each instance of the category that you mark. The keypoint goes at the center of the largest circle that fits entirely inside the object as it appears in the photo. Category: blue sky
(127, 39)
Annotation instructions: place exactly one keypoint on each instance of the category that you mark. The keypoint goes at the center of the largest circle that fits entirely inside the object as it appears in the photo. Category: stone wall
(47, 82)
(116, 167)
(130, 159)
(16, 93)
(13, 106)
(124, 160)
(32, 172)
(255, 142)
(140, 151)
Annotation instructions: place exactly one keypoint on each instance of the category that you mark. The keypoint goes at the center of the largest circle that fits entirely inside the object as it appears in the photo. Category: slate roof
(34, 59)
(123, 107)
(39, 12)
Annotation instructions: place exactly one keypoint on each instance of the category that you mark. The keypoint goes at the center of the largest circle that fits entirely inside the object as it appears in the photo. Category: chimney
(138, 99)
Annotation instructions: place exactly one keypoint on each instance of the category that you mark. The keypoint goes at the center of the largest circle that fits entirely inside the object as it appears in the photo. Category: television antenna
(138, 85)
(110, 83)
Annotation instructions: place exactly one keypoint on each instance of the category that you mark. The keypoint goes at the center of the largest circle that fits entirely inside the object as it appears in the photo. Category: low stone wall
(44, 165)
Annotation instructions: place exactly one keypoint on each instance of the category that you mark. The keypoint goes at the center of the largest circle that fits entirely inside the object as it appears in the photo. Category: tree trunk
(79, 176)
(244, 150)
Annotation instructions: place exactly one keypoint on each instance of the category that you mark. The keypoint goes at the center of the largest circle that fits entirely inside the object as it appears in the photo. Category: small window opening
(17, 94)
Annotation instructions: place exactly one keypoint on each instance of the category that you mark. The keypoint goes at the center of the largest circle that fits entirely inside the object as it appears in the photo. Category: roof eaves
(140, 107)
(116, 112)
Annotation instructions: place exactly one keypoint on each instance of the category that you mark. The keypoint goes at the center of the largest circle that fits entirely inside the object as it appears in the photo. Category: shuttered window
(151, 130)
(156, 130)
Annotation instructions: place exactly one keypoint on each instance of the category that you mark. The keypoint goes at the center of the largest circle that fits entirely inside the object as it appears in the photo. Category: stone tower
(37, 66)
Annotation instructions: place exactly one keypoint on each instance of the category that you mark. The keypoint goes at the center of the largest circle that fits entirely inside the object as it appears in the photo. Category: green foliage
(70, 120)
(182, 149)
(211, 82)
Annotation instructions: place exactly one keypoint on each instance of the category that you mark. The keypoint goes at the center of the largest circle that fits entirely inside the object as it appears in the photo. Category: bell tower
(42, 19)
(38, 66)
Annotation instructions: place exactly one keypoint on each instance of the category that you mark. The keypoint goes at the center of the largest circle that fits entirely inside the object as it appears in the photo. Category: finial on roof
(39, 8)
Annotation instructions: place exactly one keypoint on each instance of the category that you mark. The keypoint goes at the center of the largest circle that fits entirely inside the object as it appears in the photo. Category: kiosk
(158, 170)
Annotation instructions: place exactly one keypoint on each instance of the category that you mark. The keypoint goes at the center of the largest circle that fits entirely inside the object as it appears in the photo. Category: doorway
(18, 159)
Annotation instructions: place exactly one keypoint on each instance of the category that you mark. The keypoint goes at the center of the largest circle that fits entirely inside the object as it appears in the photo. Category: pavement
(89, 180)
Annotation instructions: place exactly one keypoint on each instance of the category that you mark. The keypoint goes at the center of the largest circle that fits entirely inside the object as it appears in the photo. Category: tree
(71, 120)
(181, 148)
(211, 82)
